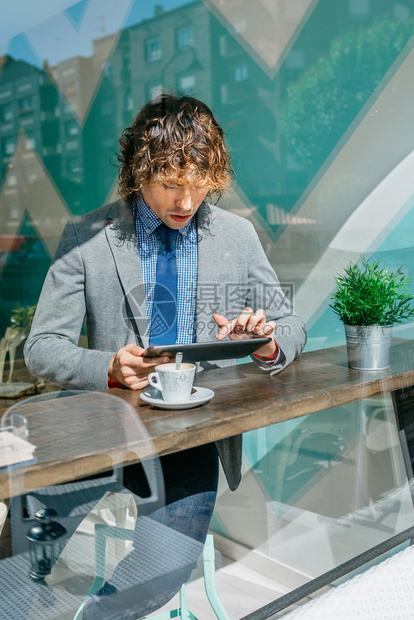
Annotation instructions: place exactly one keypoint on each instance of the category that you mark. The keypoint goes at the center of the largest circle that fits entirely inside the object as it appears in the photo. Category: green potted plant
(369, 300)
(22, 318)
(11, 344)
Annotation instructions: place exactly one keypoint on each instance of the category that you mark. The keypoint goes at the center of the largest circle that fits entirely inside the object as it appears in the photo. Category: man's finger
(226, 330)
(138, 383)
(134, 349)
(260, 324)
(141, 363)
(223, 323)
(149, 362)
(243, 319)
(268, 329)
(256, 318)
(220, 319)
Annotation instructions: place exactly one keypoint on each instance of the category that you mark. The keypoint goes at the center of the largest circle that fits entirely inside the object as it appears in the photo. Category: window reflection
(185, 37)
(293, 83)
(70, 113)
(153, 49)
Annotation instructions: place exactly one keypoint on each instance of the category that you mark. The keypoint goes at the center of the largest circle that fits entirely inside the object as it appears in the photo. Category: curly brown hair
(174, 138)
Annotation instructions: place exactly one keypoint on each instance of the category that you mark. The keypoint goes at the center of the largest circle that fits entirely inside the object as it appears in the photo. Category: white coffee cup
(175, 385)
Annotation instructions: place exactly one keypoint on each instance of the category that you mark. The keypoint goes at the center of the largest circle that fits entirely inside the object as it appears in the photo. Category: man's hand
(247, 325)
(131, 369)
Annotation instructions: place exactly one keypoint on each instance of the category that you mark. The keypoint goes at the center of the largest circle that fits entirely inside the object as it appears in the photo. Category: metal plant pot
(368, 346)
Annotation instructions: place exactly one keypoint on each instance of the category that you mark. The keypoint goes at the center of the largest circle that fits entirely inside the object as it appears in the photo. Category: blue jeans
(166, 543)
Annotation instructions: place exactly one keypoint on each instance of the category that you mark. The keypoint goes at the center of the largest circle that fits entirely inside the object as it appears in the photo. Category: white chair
(73, 501)
(150, 571)
(103, 533)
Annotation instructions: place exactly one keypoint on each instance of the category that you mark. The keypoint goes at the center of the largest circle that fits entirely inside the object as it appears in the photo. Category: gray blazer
(97, 273)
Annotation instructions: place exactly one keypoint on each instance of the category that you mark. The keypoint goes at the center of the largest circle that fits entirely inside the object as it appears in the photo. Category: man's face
(174, 204)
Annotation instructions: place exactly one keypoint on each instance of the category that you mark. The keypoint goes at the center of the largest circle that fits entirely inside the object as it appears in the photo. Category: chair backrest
(76, 431)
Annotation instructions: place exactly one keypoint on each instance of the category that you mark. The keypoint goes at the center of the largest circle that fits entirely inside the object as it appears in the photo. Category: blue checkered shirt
(146, 223)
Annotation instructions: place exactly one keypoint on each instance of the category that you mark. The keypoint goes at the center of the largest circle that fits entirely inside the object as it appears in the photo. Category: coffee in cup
(174, 385)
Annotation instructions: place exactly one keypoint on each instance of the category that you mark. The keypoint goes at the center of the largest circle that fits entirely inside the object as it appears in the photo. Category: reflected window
(28, 119)
(295, 59)
(74, 165)
(228, 46)
(9, 146)
(71, 128)
(30, 143)
(72, 145)
(74, 168)
(186, 83)
(240, 25)
(359, 9)
(153, 49)
(69, 71)
(7, 113)
(26, 86)
(14, 212)
(32, 175)
(26, 104)
(184, 37)
(126, 60)
(128, 101)
(11, 180)
(66, 108)
(153, 90)
(240, 73)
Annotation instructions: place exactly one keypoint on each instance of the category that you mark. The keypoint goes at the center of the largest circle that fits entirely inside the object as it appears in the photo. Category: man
(108, 268)
(172, 158)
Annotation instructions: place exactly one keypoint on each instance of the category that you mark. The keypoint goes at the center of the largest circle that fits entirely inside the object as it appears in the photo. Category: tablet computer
(208, 351)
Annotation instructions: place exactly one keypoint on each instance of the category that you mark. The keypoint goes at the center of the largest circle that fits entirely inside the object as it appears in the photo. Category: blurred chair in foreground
(160, 545)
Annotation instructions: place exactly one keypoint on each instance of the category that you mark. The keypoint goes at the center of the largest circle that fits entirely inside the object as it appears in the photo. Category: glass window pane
(240, 73)
(359, 8)
(30, 144)
(153, 49)
(153, 89)
(7, 113)
(185, 37)
(186, 83)
(296, 59)
(315, 100)
(9, 145)
(25, 104)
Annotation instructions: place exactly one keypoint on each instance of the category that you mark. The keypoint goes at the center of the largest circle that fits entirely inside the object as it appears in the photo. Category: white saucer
(198, 397)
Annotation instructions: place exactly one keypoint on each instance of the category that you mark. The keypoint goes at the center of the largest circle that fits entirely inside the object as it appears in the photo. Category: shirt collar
(150, 220)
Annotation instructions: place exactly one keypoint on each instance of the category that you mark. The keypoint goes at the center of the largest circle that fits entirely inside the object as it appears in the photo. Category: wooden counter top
(73, 442)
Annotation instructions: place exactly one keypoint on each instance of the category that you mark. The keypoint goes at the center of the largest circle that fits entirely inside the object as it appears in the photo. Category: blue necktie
(164, 310)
